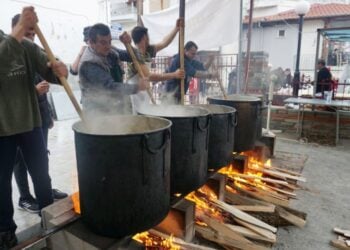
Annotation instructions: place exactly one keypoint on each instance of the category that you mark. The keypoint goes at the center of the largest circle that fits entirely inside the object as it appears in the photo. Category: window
(281, 33)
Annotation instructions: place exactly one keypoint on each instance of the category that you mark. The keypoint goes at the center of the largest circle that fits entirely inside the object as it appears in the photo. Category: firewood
(290, 194)
(286, 176)
(283, 170)
(295, 220)
(238, 199)
(266, 191)
(255, 208)
(180, 242)
(245, 176)
(346, 233)
(340, 244)
(248, 233)
(214, 236)
(258, 230)
(261, 196)
(243, 216)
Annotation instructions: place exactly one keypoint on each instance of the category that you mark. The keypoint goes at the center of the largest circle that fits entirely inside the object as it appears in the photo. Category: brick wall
(316, 124)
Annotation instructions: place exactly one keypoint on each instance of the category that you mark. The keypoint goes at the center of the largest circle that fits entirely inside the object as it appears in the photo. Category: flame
(202, 198)
(151, 241)
(255, 164)
(76, 202)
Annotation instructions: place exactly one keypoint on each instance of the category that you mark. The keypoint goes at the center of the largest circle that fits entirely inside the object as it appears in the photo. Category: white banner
(209, 24)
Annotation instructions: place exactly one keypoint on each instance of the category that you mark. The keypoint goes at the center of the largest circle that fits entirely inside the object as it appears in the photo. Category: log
(271, 236)
(293, 219)
(243, 216)
(261, 196)
(340, 244)
(256, 208)
(245, 176)
(180, 242)
(346, 233)
(235, 199)
(214, 236)
(282, 175)
(250, 234)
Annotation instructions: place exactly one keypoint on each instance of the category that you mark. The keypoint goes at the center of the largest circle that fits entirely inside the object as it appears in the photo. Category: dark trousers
(20, 170)
(35, 155)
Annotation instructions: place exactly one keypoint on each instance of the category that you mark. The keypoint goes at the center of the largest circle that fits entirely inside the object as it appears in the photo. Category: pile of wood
(236, 210)
(343, 239)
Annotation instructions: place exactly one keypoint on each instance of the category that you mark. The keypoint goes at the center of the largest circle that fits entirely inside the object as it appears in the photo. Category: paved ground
(326, 200)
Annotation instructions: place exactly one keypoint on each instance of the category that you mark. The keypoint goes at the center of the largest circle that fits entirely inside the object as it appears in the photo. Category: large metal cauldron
(221, 136)
(189, 145)
(124, 173)
(248, 116)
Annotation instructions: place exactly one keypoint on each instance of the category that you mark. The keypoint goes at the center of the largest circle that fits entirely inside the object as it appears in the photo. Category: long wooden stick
(138, 68)
(62, 79)
(182, 49)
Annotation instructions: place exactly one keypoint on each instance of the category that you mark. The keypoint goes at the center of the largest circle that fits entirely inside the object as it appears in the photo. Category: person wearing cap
(26, 200)
(20, 121)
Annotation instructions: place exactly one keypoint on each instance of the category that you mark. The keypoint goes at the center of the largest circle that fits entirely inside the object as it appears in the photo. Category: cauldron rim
(77, 127)
(224, 108)
(236, 98)
(146, 112)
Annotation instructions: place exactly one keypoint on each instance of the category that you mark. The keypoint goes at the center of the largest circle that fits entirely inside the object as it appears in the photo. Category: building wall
(282, 50)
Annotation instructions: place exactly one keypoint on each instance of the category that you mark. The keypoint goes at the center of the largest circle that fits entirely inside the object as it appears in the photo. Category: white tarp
(209, 24)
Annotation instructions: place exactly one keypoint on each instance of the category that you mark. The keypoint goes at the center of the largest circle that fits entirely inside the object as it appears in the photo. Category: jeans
(35, 155)
(20, 170)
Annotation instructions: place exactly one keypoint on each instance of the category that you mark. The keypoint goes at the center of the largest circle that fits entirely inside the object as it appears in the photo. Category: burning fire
(151, 241)
(202, 198)
(76, 202)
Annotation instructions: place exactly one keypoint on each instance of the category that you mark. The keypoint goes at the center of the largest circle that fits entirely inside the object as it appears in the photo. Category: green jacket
(19, 110)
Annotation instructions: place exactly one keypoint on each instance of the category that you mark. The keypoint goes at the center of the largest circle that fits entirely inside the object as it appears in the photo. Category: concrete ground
(326, 198)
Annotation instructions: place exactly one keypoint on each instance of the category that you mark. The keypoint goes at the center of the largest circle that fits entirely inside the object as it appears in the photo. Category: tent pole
(239, 56)
(182, 50)
(249, 38)
(316, 59)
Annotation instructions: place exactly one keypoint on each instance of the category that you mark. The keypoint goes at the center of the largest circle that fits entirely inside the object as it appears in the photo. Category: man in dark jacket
(20, 122)
(26, 200)
(324, 77)
(193, 68)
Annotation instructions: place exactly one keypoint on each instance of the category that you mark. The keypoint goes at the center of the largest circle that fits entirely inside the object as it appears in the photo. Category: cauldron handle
(205, 128)
(231, 122)
(154, 151)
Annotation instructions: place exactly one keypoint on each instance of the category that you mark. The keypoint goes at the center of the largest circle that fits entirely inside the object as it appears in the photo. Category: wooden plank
(250, 234)
(258, 230)
(344, 232)
(256, 208)
(290, 194)
(340, 244)
(286, 176)
(295, 220)
(245, 176)
(180, 242)
(283, 170)
(243, 216)
(237, 199)
(261, 196)
(226, 242)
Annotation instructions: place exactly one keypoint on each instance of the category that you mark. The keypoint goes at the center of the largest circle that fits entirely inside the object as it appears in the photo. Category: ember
(76, 202)
(151, 241)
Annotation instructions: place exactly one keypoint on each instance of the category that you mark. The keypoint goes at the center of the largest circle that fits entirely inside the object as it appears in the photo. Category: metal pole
(182, 49)
(249, 38)
(139, 6)
(239, 56)
(296, 79)
(316, 59)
